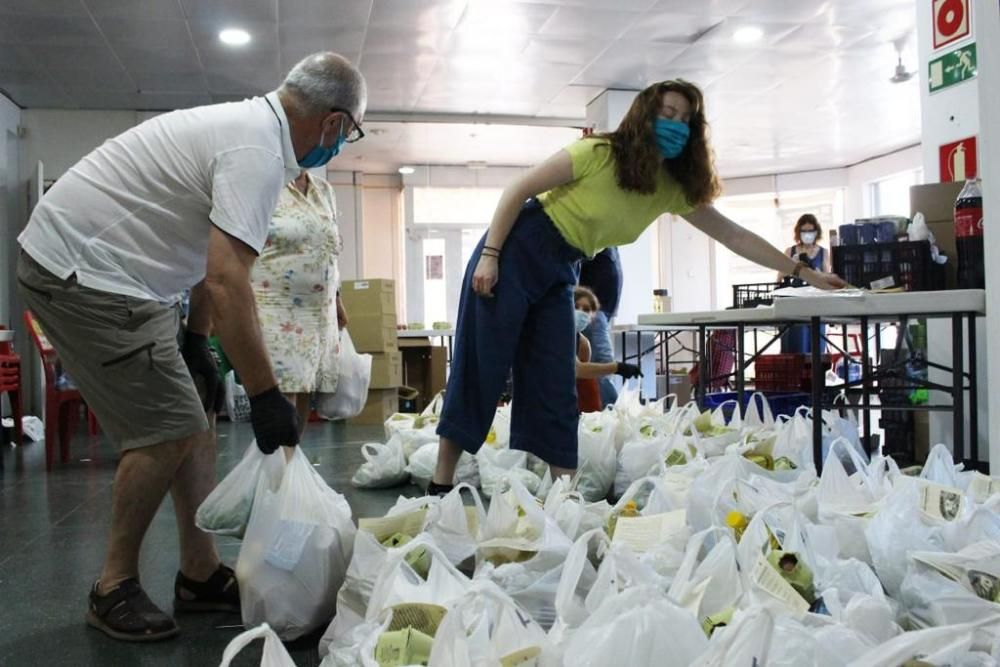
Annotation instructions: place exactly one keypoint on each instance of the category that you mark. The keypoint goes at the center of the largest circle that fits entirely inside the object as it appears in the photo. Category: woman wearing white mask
(806, 250)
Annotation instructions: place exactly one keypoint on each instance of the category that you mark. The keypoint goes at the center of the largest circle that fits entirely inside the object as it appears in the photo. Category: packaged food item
(628, 509)
(784, 463)
(676, 458)
(718, 620)
(763, 460)
(795, 572)
(738, 522)
(397, 648)
(418, 559)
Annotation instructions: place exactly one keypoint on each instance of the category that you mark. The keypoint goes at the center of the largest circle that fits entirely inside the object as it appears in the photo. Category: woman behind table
(295, 282)
(516, 307)
(808, 233)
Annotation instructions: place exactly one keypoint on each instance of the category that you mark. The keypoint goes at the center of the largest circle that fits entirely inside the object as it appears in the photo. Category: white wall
(859, 177)
(59, 138)
(10, 210)
(948, 115)
(987, 16)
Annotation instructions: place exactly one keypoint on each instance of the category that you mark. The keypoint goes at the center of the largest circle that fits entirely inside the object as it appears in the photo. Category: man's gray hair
(326, 80)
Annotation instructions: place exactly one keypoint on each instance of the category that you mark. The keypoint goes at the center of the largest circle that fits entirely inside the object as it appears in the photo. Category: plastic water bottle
(969, 236)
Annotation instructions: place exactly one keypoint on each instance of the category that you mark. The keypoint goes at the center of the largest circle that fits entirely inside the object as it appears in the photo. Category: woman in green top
(516, 306)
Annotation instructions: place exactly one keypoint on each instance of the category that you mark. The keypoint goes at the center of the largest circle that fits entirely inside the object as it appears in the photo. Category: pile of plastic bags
(724, 547)
(298, 537)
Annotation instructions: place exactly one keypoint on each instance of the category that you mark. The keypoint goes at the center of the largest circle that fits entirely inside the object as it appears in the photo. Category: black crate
(751, 295)
(908, 263)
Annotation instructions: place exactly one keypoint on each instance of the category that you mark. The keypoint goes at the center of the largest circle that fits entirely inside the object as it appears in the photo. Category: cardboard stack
(371, 311)
(937, 202)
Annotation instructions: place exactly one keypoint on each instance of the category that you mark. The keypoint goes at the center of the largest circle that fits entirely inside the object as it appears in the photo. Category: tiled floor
(52, 534)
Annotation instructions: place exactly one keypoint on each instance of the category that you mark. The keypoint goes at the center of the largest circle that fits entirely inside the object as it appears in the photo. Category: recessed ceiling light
(406, 170)
(234, 36)
(748, 35)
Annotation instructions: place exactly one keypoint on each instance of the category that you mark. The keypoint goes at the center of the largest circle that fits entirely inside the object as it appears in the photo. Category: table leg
(817, 393)
(740, 364)
(973, 394)
(703, 365)
(957, 391)
(866, 384)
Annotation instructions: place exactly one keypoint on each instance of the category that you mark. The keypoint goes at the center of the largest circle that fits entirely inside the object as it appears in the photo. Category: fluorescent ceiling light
(406, 170)
(748, 35)
(234, 36)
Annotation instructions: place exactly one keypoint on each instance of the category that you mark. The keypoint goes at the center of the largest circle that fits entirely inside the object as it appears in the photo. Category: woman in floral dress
(295, 281)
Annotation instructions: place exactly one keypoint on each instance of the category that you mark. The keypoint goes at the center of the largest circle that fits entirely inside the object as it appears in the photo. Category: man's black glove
(204, 370)
(628, 371)
(274, 419)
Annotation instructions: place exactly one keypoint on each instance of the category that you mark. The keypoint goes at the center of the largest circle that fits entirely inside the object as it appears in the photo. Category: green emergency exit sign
(953, 67)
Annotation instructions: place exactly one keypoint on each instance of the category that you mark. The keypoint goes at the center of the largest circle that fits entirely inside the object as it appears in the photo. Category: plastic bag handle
(370, 450)
(573, 566)
(395, 557)
(860, 465)
(244, 639)
(764, 413)
(690, 561)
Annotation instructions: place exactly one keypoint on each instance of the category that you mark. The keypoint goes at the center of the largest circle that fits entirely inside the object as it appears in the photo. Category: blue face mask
(582, 320)
(319, 155)
(671, 136)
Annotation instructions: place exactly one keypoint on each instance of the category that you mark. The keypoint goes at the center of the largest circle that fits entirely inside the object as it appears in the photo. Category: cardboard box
(937, 202)
(381, 404)
(368, 297)
(387, 370)
(425, 368)
(373, 333)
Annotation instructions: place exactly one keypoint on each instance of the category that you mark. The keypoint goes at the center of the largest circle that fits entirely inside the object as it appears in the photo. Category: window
(454, 206)
(891, 196)
(773, 219)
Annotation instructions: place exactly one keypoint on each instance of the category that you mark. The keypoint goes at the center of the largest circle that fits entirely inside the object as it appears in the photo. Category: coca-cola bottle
(969, 236)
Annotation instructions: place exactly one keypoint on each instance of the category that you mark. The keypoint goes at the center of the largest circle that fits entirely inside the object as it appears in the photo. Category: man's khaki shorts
(121, 352)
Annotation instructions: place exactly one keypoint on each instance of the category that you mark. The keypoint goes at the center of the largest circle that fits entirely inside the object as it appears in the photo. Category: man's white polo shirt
(133, 216)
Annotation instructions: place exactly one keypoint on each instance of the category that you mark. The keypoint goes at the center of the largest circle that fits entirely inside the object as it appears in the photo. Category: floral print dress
(295, 283)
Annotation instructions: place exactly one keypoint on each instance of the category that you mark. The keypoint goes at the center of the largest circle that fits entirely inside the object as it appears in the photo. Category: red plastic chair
(62, 405)
(10, 384)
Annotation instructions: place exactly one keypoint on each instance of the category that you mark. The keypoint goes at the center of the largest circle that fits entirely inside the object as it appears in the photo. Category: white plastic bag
(237, 401)
(453, 526)
(352, 386)
(226, 510)
(597, 456)
(275, 654)
(631, 629)
(496, 465)
(847, 502)
(384, 465)
(485, 627)
(424, 460)
(295, 551)
(743, 642)
(940, 467)
(899, 528)
(398, 583)
(522, 551)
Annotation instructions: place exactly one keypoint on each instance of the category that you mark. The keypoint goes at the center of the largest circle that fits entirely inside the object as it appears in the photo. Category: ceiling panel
(163, 33)
(580, 23)
(417, 15)
(142, 9)
(231, 12)
(352, 14)
(43, 7)
(177, 81)
(49, 31)
(813, 92)
(672, 27)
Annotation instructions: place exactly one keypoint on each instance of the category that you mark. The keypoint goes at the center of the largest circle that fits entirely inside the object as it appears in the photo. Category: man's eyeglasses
(355, 133)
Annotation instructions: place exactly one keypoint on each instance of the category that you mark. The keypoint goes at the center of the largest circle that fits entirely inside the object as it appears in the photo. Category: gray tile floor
(52, 535)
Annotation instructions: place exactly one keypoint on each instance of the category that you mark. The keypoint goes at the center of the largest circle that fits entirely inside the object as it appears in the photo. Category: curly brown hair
(638, 159)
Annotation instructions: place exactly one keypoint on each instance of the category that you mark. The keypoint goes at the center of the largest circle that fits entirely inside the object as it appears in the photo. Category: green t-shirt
(592, 212)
